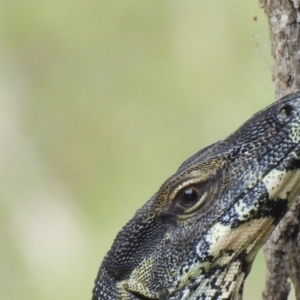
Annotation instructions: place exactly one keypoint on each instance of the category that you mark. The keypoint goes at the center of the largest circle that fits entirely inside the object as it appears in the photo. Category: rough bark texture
(282, 249)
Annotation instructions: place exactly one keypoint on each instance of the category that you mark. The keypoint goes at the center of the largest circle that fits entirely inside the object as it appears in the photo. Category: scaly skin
(197, 237)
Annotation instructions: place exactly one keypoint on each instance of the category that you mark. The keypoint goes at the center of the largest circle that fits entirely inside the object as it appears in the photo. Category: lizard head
(197, 237)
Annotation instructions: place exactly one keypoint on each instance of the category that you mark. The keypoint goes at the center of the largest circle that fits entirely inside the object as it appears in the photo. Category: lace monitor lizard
(197, 237)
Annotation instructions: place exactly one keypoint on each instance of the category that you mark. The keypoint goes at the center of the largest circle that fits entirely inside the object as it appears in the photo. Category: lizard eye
(190, 198)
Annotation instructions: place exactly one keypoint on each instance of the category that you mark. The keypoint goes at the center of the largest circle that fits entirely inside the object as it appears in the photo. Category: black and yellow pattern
(197, 237)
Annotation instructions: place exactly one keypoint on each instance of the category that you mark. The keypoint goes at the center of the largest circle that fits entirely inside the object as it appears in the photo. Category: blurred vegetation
(100, 101)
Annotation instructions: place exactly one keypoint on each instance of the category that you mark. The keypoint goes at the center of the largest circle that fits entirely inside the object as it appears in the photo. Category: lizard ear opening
(285, 111)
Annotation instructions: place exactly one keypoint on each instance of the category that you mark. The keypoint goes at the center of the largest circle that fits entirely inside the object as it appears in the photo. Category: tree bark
(282, 250)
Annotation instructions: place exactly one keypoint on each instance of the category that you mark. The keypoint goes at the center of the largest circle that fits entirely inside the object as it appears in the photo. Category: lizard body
(197, 237)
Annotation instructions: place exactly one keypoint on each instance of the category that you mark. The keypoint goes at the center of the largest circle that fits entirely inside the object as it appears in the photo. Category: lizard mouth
(138, 296)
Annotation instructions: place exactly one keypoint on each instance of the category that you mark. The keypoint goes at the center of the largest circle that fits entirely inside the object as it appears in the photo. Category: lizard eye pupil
(189, 197)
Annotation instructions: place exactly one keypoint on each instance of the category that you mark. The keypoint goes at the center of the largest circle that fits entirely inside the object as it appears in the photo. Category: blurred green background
(101, 101)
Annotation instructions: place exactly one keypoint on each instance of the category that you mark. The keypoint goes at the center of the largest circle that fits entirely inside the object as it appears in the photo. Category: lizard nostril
(285, 111)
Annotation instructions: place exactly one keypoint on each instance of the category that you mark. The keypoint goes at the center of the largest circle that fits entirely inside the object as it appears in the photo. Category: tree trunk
(282, 250)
